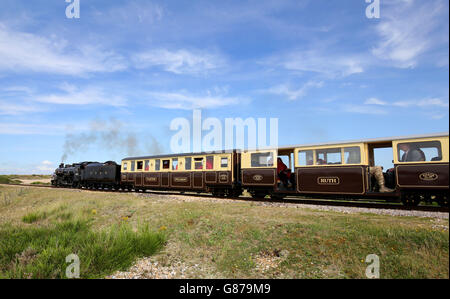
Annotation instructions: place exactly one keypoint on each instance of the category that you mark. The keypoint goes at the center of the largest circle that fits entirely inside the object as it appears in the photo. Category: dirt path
(28, 182)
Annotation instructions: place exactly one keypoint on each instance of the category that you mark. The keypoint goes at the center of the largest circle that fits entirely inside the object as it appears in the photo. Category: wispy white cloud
(430, 102)
(319, 61)
(186, 101)
(362, 109)
(21, 51)
(10, 128)
(427, 102)
(375, 101)
(178, 61)
(45, 166)
(408, 29)
(294, 93)
(7, 108)
(12, 101)
(434, 108)
(131, 12)
(72, 95)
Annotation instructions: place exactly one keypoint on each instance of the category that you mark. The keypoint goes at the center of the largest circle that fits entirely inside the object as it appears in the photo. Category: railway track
(295, 200)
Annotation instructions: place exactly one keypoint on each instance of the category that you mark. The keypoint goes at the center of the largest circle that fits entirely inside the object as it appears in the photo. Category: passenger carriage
(343, 170)
(215, 172)
(420, 171)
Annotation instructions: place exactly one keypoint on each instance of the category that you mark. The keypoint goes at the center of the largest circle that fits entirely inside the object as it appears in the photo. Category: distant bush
(6, 179)
(40, 252)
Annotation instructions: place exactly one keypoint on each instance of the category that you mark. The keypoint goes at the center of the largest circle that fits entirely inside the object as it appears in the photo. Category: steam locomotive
(90, 175)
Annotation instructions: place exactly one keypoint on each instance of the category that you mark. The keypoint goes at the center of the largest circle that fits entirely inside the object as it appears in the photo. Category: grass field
(227, 239)
(35, 179)
(8, 179)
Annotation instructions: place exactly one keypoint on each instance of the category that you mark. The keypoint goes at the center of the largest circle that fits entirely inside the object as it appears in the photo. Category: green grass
(7, 179)
(39, 183)
(40, 252)
(34, 217)
(228, 239)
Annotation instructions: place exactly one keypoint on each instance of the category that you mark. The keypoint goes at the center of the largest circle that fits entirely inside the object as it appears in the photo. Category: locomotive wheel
(258, 194)
(411, 199)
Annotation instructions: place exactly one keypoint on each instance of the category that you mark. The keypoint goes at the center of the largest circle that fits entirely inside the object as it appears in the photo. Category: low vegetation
(34, 179)
(7, 179)
(40, 183)
(216, 239)
(40, 252)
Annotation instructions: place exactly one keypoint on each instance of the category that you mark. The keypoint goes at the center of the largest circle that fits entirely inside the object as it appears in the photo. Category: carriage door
(138, 177)
(380, 154)
(165, 173)
(331, 170)
(199, 166)
(259, 169)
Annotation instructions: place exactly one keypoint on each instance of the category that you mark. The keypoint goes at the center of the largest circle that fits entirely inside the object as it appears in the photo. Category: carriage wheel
(443, 200)
(276, 197)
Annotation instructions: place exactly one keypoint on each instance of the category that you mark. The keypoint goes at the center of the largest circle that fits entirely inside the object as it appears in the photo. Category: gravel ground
(346, 210)
(171, 268)
(149, 268)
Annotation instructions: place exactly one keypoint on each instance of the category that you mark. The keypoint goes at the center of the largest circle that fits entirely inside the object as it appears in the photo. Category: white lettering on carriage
(328, 181)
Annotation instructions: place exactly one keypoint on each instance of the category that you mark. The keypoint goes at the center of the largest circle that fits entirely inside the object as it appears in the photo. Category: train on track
(420, 171)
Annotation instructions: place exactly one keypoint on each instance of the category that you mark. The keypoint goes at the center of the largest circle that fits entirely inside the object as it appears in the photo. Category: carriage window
(125, 166)
(198, 163)
(147, 165)
(419, 151)
(305, 157)
(166, 164)
(187, 163)
(140, 165)
(352, 155)
(157, 164)
(262, 159)
(209, 162)
(223, 162)
(175, 164)
(132, 165)
(328, 156)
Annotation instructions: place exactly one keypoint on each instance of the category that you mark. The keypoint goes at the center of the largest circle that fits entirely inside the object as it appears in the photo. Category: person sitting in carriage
(284, 173)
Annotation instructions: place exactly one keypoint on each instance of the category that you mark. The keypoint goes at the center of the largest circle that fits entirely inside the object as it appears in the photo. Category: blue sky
(119, 74)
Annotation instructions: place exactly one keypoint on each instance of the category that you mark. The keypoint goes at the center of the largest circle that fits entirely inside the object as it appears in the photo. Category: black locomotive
(87, 175)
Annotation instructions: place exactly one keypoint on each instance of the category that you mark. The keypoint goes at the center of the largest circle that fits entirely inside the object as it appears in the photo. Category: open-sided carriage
(346, 169)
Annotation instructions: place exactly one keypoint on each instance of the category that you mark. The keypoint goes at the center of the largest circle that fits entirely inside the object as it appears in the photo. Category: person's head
(404, 147)
(279, 160)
